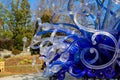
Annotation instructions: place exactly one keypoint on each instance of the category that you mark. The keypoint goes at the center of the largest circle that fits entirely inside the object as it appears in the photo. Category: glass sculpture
(90, 42)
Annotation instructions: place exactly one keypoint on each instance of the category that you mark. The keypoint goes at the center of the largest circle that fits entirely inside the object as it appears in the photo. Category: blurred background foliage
(17, 20)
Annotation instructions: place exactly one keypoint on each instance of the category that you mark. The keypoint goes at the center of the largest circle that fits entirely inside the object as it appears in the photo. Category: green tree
(17, 18)
(21, 13)
(25, 9)
(20, 20)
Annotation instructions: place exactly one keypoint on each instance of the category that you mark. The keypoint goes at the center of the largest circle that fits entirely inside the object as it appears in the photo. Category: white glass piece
(92, 50)
(39, 21)
(107, 47)
(118, 62)
(42, 58)
(46, 72)
(85, 9)
(56, 68)
(50, 55)
(44, 50)
(64, 57)
(34, 61)
(52, 35)
(116, 1)
(70, 70)
(46, 26)
(60, 25)
(81, 26)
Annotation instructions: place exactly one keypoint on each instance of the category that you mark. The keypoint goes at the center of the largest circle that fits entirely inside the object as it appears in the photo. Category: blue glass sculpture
(90, 44)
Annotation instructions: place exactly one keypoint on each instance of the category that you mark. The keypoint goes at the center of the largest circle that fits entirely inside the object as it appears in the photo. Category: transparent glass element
(44, 47)
(46, 26)
(51, 54)
(52, 35)
(116, 1)
(107, 47)
(56, 68)
(64, 57)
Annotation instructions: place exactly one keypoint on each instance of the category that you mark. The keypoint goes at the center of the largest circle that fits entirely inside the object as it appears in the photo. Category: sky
(33, 4)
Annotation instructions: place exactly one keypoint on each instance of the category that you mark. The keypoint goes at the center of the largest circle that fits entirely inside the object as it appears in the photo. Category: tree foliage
(25, 9)
(18, 19)
(21, 16)
(6, 44)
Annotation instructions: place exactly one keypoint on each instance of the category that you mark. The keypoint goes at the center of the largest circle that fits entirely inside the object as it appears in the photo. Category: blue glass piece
(107, 14)
(79, 73)
(109, 72)
(91, 73)
(99, 74)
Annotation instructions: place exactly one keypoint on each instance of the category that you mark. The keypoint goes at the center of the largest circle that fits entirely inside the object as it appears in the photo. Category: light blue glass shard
(116, 1)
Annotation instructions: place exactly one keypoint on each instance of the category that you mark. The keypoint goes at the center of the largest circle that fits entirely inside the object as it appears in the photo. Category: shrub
(1, 60)
(6, 34)
(30, 61)
(25, 60)
(15, 52)
(6, 44)
(22, 62)
(18, 43)
(7, 56)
